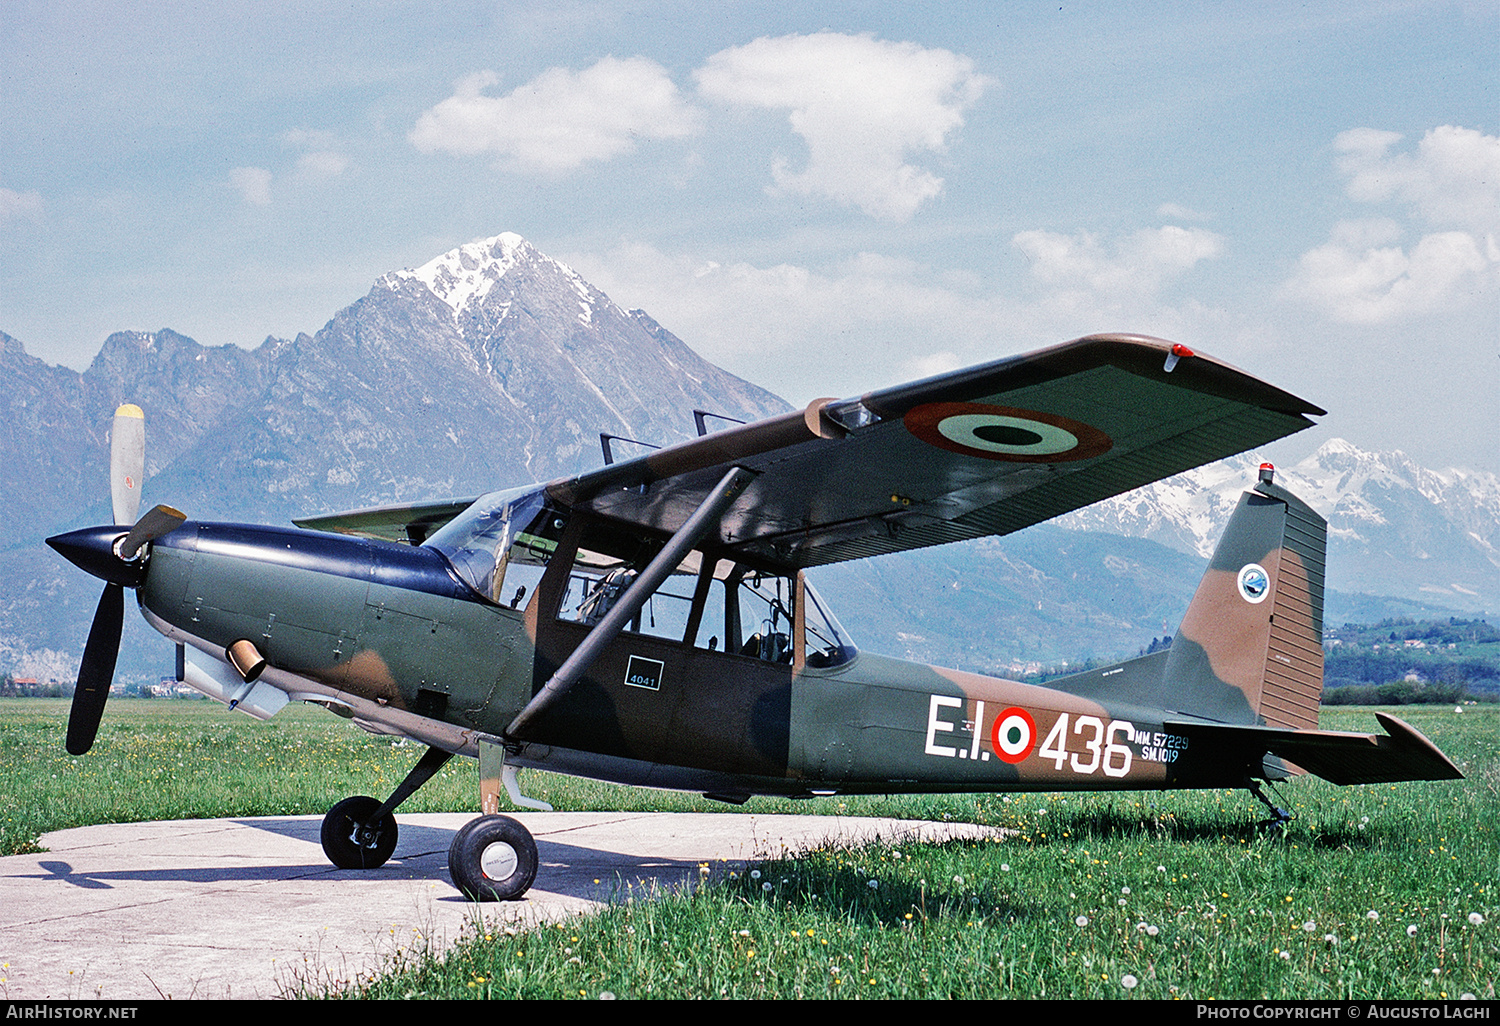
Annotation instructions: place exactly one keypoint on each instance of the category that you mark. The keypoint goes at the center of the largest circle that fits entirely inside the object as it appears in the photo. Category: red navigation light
(1177, 352)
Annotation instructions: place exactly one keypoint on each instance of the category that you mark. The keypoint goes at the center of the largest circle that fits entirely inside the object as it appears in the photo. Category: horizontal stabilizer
(1341, 757)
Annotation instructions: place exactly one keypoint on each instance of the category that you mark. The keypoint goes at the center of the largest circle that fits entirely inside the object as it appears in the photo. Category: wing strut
(703, 520)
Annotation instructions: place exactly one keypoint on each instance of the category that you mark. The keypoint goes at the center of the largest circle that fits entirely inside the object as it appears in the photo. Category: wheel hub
(499, 860)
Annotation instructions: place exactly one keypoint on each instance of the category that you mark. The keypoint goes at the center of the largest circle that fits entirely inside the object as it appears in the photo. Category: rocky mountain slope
(1395, 528)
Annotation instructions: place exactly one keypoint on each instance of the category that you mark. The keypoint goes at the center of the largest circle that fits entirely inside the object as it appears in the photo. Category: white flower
(1152, 931)
(1286, 956)
(1411, 931)
(1476, 919)
(958, 880)
(1128, 982)
(1124, 890)
(1309, 926)
(1329, 938)
(755, 874)
(1005, 867)
(874, 885)
(766, 887)
(1122, 902)
(1372, 915)
(1082, 920)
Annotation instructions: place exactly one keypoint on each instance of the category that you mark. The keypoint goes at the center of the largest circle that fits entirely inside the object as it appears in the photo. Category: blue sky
(825, 199)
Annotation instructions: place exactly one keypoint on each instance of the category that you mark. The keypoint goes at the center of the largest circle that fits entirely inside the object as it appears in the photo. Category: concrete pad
(248, 908)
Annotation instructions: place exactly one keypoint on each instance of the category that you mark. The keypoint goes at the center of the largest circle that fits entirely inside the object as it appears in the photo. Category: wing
(988, 450)
(410, 522)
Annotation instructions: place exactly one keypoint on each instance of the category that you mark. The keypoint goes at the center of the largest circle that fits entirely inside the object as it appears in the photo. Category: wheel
(351, 843)
(493, 858)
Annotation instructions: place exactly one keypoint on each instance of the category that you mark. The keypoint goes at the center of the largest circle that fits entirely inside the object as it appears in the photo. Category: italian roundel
(1013, 734)
(1005, 433)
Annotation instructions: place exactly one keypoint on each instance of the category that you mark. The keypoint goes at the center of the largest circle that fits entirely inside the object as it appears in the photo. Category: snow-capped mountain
(1395, 528)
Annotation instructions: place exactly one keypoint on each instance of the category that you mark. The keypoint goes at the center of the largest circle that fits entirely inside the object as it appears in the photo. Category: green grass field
(1387, 891)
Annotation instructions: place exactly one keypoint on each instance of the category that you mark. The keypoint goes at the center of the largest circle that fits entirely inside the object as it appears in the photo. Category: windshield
(501, 532)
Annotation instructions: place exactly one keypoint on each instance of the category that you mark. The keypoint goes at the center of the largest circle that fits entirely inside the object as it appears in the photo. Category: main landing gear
(493, 858)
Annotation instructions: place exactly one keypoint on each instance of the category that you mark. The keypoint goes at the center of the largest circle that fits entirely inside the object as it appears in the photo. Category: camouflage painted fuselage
(389, 635)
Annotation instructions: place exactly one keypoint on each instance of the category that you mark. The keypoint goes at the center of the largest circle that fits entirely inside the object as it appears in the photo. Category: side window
(598, 580)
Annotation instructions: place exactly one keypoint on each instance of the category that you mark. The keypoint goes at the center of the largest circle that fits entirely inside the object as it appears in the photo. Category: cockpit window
(501, 544)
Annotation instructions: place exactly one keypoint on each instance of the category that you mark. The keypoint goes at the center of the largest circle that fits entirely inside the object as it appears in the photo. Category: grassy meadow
(1388, 891)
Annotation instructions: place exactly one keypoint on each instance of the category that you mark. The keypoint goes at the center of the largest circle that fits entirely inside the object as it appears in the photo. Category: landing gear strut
(1279, 817)
(360, 833)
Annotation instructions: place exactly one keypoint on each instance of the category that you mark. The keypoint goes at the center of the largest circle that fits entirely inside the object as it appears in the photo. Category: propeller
(103, 553)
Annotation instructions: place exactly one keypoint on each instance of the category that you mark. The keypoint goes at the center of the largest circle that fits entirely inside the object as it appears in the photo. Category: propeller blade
(159, 520)
(97, 671)
(127, 462)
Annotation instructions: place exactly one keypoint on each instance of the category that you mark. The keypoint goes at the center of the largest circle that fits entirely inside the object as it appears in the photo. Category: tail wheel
(352, 842)
(493, 858)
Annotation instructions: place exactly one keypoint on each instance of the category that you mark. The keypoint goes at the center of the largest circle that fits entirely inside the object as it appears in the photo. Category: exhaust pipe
(246, 660)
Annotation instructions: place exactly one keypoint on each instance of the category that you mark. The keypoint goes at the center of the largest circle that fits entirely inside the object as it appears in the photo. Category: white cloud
(321, 157)
(17, 206)
(312, 138)
(323, 164)
(1452, 181)
(877, 320)
(934, 364)
(862, 105)
(1138, 265)
(253, 183)
(1177, 212)
(1372, 285)
(561, 119)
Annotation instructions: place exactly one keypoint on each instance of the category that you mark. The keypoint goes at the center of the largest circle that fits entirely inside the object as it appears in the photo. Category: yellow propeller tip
(130, 410)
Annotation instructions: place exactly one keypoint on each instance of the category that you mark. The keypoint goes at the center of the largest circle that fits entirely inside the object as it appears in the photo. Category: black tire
(493, 858)
(347, 842)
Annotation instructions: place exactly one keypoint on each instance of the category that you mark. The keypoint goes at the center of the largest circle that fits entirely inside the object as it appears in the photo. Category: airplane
(649, 622)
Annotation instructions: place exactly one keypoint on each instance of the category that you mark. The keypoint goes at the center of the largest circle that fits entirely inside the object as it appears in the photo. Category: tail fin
(1250, 648)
